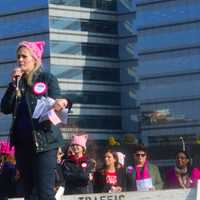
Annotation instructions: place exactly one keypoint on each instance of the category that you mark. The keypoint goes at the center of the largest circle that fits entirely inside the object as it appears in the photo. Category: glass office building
(90, 48)
(128, 65)
(169, 72)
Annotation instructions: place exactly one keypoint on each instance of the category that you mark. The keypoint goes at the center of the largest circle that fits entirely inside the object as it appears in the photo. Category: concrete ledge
(178, 194)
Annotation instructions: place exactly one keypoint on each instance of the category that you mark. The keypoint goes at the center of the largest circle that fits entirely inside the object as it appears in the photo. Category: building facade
(128, 65)
(169, 72)
(90, 48)
(25, 21)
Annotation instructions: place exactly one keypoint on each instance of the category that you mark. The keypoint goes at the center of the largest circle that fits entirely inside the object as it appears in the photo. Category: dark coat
(45, 135)
(59, 178)
(100, 184)
(76, 176)
(7, 180)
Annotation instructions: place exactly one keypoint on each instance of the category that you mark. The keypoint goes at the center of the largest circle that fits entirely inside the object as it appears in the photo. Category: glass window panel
(65, 23)
(86, 73)
(98, 98)
(171, 113)
(156, 14)
(166, 147)
(161, 88)
(87, 49)
(66, 47)
(96, 122)
(171, 140)
(13, 6)
(175, 40)
(97, 26)
(18, 25)
(97, 4)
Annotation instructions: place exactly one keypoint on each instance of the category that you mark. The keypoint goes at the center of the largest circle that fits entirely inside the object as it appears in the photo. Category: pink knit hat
(5, 148)
(80, 140)
(36, 48)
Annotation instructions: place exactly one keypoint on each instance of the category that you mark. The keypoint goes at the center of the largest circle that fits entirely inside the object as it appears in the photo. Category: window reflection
(171, 139)
(164, 116)
(96, 122)
(97, 26)
(97, 4)
(98, 98)
(87, 49)
(65, 23)
(86, 73)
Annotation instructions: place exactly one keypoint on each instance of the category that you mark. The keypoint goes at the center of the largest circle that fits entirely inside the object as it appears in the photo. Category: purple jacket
(172, 181)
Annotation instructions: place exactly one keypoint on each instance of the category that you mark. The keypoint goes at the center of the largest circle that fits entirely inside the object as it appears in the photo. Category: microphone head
(17, 76)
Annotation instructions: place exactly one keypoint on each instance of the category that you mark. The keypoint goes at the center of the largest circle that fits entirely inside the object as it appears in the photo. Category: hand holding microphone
(16, 76)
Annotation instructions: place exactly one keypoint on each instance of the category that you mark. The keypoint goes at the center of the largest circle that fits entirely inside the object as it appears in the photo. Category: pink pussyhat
(36, 48)
(5, 148)
(12, 151)
(79, 140)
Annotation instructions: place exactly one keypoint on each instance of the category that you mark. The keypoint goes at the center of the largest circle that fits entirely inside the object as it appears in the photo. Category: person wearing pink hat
(78, 144)
(77, 168)
(35, 142)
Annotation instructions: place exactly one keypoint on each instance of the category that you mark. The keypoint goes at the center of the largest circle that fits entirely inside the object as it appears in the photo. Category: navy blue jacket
(45, 135)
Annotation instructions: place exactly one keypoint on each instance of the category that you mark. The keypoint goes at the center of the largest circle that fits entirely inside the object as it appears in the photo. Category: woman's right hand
(116, 189)
(60, 104)
(16, 73)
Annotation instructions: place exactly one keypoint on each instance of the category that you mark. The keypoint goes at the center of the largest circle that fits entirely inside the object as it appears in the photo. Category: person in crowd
(59, 155)
(59, 178)
(182, 175)
(35, 142)
(8, 172)
(8, 180)
(59, 187)
(69, 151)
(121, 159)
(110, 178)
(142, 175)
(77, 167)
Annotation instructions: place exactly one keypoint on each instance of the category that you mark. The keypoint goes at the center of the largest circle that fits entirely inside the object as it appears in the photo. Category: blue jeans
(37, 171)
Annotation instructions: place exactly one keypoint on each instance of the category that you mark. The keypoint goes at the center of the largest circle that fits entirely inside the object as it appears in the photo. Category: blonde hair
(38, 64)
(29, 77)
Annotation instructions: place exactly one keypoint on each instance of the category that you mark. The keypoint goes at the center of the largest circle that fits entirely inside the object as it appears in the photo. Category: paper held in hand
(44, 111)
(59, 193)
(144, 184)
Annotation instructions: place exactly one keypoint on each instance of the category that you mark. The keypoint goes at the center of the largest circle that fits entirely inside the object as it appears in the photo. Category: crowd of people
(39, 166)
(114, 173)
(79, 173)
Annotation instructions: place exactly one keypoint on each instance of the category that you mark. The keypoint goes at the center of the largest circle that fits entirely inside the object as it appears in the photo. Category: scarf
(142, 173)
(78, 161)
(183, 177)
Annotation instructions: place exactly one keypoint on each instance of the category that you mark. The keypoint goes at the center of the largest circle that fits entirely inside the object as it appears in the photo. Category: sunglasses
(140, 154)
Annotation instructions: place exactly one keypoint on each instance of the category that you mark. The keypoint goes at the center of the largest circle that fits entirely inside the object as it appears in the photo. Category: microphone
(18, 92)
(17, 78)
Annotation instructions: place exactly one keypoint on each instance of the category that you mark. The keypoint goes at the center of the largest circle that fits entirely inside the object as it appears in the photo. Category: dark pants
(37, 171)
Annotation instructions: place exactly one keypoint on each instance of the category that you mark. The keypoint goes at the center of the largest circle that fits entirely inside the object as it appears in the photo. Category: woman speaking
(35, 142)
